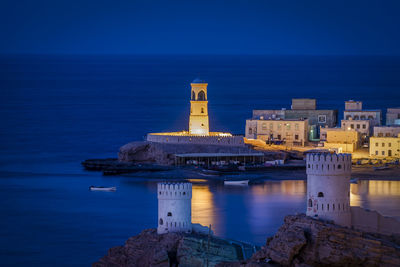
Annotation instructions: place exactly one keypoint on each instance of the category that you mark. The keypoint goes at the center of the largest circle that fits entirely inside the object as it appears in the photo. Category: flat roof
(206, 155)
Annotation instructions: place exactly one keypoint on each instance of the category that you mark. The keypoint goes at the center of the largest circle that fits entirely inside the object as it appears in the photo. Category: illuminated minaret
(198, 122)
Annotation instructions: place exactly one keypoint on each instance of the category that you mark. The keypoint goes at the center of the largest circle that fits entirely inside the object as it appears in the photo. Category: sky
(271, 27)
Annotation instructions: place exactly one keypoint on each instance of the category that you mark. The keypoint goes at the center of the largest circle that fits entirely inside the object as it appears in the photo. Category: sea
(58, 110)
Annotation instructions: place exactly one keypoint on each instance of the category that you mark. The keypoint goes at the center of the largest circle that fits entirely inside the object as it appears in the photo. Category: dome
(197, 80)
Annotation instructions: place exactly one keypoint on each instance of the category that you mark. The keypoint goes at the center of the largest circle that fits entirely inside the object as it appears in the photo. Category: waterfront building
(174, 207)
(361, 126)
(292, 132)
(383, 147)
(354, 111)
(199, 130)
(387, 131)
(342, 140)
(303, 108)
(328, 187)
(393, 116)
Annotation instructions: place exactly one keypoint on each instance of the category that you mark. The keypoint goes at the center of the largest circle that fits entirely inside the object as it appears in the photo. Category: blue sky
(200, 27)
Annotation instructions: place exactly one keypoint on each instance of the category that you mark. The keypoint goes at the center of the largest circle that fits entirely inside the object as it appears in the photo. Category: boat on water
(102, 188)
(381, 168)
(236, 182)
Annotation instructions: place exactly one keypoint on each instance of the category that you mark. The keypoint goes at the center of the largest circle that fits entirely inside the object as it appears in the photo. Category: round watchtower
(328, 187)
(174, 207)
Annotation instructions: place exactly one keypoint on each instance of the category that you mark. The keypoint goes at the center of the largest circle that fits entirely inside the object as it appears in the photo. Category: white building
(393, 116)
(328, 187)
(354, 111)
(174, 207)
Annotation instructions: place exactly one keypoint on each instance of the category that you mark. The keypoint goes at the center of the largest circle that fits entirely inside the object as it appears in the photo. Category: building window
(202, 110)
(389, 153)
(363, 117)
(279, 137)
(376, 144)
(380, 134)
(390, 144)
(348, 117)
(339, 166)
(321, 118)
(161, 221)
(370, 117)
(296, 137)
(288, 126)
(169, 214)
(264, 126)
(383, 153)
(250, 131)
(309, 203)
(383, 144)
(271, 126)
(387, 134)
(356, 117)
(296, 126)
(364, 126)
(376, 152)
(352, 126)
(358, 126)
(320, 194)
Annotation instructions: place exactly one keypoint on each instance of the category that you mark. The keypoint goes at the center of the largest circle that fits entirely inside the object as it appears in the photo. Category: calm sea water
(57, 111)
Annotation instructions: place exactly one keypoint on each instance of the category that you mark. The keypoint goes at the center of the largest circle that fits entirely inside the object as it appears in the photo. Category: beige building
(290, 131)
(387, 131)
(384, 147)
(342, 140)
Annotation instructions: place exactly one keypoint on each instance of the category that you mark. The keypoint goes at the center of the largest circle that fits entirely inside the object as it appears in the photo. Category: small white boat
(101, 188)
(237, 182)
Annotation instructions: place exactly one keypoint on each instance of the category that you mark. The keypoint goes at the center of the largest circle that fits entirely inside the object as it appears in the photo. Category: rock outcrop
(162, 153)
(303, 241)
(172, 249)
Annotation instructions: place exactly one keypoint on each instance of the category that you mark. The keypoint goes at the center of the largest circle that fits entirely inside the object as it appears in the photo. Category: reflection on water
(382, 196)
(203, 207)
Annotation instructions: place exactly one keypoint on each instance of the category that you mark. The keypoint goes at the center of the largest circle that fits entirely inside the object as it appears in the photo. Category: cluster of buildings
(304, 123)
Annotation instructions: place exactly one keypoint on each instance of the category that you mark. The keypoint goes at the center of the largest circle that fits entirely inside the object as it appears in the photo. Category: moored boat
(102, 188)
(236, 182)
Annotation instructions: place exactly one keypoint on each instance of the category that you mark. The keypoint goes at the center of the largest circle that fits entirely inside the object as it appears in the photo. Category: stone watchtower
(328, 187)
(198, 122)
(174, 207)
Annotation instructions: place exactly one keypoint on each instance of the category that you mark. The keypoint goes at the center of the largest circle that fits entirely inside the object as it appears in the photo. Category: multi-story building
(342, 140)
(270, 130)
(393, 116)
(354, 111)
(384, 147)
(387, 131)
(361, 126)
(302, 108)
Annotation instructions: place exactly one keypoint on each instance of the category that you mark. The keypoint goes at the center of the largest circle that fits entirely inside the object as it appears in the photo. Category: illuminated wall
(198, 121)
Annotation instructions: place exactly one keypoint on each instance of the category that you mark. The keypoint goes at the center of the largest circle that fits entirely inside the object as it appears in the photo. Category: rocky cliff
(302, 241)
(172, 249)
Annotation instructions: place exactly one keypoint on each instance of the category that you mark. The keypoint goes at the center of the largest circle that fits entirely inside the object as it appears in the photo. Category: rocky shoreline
(300, 241)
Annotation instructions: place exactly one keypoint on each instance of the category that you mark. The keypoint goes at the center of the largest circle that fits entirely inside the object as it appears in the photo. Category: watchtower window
(320, 194)
(339, 166)
(184, 193)
(193, 96)
(310, 203)
(169, 214)
(161, 221)
(201, 96)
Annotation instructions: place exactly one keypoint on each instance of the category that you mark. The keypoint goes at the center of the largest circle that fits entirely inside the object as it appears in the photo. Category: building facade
(302, 108)
(387, 131)
(393, 116)
(293, 132)
(328, 187)
(174, 207)
(342, 140)
(383, 147)
(361, 126)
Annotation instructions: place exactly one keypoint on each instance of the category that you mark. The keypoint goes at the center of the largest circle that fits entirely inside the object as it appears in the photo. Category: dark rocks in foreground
(302, 241)
(172, 249)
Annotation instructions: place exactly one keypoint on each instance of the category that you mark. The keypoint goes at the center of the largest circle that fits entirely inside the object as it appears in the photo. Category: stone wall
(373, 222)
(195, 139)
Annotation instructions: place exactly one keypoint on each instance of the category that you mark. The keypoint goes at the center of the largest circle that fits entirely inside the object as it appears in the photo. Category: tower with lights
(198, 121)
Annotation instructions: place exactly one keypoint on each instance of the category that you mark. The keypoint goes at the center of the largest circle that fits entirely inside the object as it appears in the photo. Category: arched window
(169, 214)
(161, 221)
(348, 117)
(202, 110)
(362, 117)
(320, 194)
(201, 96)
(310, 202)
(193, 96)
(339, 166)
(370, 117)
(356, 117)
